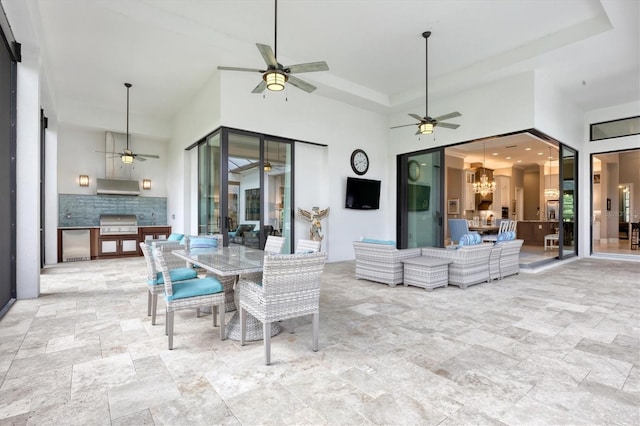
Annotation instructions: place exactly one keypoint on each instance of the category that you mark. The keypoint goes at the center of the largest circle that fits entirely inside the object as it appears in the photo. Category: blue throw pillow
(175, 237)
(503, 236)
(470, 239)
(384, 242)
(203, 242)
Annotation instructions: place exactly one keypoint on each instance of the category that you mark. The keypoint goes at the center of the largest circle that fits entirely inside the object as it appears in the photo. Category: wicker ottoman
(426, 272)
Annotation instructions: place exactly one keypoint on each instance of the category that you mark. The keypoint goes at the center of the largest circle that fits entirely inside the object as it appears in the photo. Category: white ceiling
(169, 48)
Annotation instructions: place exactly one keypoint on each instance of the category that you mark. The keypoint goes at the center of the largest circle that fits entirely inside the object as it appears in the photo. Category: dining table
(484, 229)
(235, 261)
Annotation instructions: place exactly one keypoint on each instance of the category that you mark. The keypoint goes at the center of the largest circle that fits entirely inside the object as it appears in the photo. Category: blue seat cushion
(194, 288)
(384, 242)
(175, 237)
(178, 274)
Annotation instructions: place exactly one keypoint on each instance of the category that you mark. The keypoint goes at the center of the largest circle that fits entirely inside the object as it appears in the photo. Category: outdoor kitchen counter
(144, 232)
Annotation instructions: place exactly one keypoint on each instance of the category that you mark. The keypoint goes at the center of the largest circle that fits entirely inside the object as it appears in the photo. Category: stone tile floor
(559, 347)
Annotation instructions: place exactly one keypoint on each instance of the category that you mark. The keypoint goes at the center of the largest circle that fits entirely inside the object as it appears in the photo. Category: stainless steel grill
(118, 224)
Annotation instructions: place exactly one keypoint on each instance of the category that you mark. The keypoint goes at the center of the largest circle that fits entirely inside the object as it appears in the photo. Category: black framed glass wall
(569, 203)
(245, 187)
(9, 56)
(615, 202)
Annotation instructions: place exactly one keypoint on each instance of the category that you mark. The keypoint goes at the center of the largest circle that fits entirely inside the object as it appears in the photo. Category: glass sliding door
(245, 169)
(569, 202)
(277, 190)
(420, 201)
(209, 213)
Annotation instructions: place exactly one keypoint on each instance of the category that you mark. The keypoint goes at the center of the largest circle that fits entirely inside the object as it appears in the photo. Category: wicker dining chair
(196, 293)
(307, 246)
(274, 244)
(290, 288)
(155, 281)
(503, 227)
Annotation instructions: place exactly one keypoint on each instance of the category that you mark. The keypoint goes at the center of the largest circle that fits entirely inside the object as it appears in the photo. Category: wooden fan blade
(417, 117)
(404, 125)
(307, 67)
(267, 55)
(260, 87)
(448, 125)
(448, 116)
(301, 84)
(241, 69)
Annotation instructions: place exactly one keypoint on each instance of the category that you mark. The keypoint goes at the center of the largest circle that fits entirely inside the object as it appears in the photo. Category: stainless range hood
(118, 187)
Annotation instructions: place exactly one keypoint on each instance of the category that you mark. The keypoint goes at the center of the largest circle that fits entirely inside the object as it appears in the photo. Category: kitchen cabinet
(117, 245)
(469, 197)
(146, 233)
(154, 232)
(501, 195)
(533, 232)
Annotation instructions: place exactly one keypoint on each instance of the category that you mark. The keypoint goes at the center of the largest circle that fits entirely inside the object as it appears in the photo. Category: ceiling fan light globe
(426, 128)
(275, 80)
(126, 158)
(267, 167)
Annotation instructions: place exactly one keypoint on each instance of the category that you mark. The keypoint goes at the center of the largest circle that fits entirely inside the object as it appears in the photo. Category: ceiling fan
(276, 75)
(127, 155)
(426, 124)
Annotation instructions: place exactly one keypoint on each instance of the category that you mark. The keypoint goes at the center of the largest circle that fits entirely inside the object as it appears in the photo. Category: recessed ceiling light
(508, 158)
(519, 161)
(495, 153)
(541, 153)
(527, 149)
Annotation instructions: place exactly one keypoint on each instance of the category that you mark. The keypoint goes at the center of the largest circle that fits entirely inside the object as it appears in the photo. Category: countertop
(97, 227)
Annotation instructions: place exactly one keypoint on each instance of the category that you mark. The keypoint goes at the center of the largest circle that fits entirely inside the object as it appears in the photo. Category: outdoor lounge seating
(510, 257)
(289, 288)
(469, 264)
(381, 261)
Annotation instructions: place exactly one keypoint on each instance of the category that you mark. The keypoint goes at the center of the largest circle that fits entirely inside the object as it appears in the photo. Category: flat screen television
(362, 194)
(418, 198)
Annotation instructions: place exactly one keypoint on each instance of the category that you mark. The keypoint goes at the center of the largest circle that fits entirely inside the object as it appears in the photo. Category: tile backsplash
(85, 210)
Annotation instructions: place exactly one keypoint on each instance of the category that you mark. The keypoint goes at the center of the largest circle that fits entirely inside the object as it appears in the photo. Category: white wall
(195, 120)
(77, 156)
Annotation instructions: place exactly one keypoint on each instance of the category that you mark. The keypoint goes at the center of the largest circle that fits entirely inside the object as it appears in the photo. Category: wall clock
(359, 162)
(414, 170)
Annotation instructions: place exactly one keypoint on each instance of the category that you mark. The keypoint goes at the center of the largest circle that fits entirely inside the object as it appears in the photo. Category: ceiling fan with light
(426, 124)
(127, 155)
(276, 75)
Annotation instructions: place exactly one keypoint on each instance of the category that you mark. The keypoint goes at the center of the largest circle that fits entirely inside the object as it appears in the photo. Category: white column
(51, 193)
(28, 176)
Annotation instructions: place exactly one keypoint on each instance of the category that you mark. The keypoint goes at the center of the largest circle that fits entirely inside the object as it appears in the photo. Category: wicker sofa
(509, 257)
(381, 262)
(469, 264)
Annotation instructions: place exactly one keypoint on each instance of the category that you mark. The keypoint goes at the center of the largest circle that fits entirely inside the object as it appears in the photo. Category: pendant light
(550, 191)
(127, 157)
(484, 187)
(267, 165)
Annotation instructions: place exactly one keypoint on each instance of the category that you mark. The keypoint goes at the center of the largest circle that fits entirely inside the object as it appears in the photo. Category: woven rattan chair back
(274, 244)
(307, 246)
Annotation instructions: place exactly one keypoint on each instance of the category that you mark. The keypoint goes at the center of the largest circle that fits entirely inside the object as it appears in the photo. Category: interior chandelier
(549, 191)
(483, 186)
